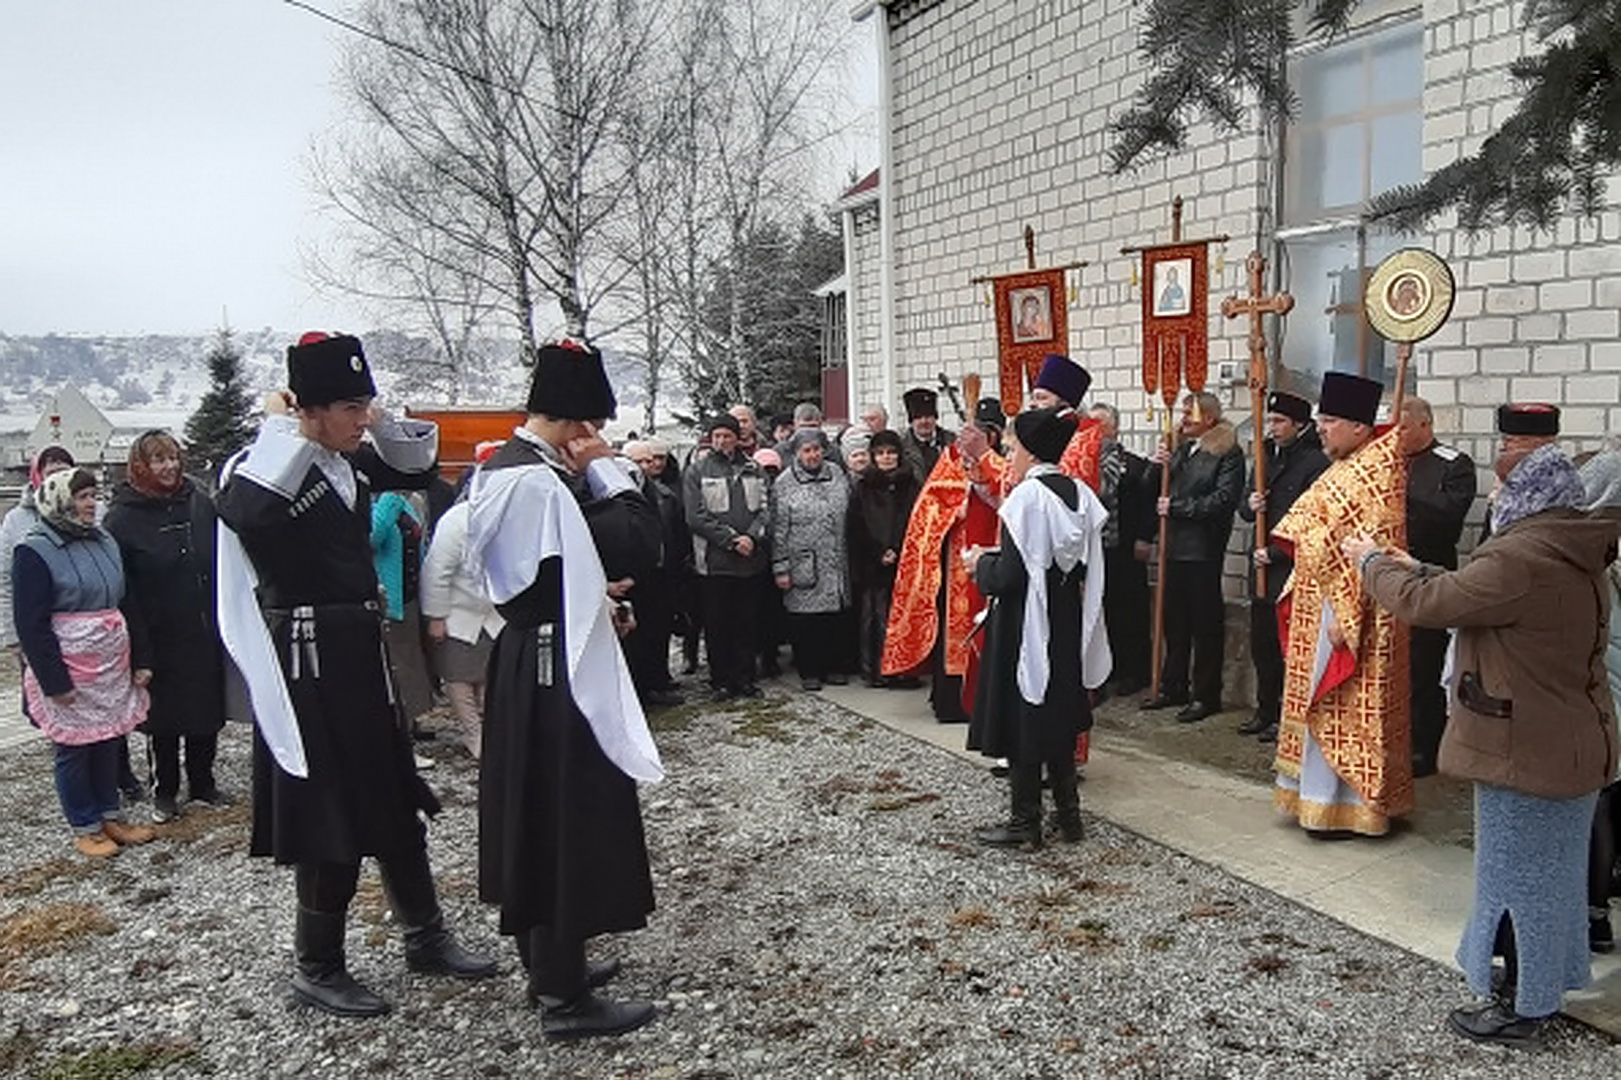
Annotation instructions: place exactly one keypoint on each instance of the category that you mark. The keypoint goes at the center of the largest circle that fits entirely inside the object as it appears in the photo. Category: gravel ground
(824, 912)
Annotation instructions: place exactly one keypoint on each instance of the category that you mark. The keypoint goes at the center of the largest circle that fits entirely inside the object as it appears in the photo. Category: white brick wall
(999, 119)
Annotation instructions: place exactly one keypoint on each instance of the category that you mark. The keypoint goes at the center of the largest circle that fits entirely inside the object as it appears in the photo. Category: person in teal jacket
(398, 546)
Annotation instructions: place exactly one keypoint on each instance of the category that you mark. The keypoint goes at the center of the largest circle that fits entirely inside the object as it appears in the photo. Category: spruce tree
(224, 420)
(1553, 155)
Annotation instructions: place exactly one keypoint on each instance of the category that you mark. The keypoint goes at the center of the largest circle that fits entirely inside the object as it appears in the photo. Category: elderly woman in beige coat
(1531, 721)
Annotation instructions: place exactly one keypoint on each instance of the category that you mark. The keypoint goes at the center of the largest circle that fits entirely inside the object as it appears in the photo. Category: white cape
(525, 514)
(247, 639)
(1046, 532)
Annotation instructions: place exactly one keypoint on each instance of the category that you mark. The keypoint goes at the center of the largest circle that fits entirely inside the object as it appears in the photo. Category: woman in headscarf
(67, 585)
(164, 525)
(1531, 721)
(809, 502)
(19, 520)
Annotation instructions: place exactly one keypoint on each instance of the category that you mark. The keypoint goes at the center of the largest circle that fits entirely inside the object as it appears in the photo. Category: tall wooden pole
(1257, 305)
(1164, 493)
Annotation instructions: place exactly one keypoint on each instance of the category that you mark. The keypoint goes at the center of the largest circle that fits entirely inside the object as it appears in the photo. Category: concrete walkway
(1407, 889)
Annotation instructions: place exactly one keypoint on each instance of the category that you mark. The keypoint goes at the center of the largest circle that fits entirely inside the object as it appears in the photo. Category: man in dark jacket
(1294, 458)
(1440, 491)
(654, 598)
(730, 518)
(924, 437)
(1207, 479)
(1127, 544)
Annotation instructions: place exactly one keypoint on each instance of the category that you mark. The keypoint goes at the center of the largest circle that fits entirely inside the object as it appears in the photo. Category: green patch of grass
(678, 718)
(1158, 942)
(118, 1062)
(44, 929)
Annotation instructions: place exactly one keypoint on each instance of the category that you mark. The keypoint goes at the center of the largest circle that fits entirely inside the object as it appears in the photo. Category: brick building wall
(997, 117)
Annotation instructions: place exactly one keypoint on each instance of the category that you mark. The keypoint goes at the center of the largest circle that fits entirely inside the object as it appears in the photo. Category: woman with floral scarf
(67, 585)
(1531, 720)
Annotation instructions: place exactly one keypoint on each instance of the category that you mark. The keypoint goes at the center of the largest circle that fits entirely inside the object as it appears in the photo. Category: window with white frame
(1358, 133)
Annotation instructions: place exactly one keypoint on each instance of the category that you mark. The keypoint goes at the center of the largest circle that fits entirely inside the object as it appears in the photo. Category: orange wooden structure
(461, 430)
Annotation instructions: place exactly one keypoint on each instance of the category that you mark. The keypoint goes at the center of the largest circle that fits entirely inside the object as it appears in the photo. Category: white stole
(1047, 532)
(520, 516)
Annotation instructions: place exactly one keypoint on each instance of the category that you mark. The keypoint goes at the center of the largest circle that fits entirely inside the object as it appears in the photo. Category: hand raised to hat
(582, 450)
(279, 403)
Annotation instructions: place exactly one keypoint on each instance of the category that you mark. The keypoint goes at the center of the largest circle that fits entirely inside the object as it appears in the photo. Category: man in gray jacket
(730, 517)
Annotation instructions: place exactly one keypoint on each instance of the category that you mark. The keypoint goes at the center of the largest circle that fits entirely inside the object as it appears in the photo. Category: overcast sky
(153, 163)
(153, 168)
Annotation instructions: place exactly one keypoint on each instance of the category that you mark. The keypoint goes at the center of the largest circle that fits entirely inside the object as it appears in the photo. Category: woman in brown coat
(1531, 721)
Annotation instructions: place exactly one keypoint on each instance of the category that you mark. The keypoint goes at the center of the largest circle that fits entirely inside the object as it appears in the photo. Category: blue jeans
(87, 783)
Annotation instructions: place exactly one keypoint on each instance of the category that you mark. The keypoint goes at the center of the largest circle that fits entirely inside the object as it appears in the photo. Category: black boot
(429, 947)
(321, 979)
(1066, 798)
(1024, 827)
(432, 950)
(589, 1015)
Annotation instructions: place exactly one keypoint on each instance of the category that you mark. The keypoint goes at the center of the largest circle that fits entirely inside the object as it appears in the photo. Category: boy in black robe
(559, 528)
(1045, 640)
(302, 511)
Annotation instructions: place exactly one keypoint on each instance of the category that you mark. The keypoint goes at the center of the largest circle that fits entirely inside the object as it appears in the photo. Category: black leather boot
(1066, 799)
(1024, 827)
(432, 950)
(429, 947)
(321, 979)
(588, 1015)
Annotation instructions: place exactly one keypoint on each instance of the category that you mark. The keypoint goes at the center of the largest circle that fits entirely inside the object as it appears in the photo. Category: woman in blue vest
(82, 690)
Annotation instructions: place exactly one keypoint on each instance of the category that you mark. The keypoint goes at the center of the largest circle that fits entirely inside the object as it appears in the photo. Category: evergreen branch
(1554, 154)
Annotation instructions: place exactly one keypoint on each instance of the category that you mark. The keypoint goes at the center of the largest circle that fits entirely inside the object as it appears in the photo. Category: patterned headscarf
(1544, 480)
(55, 501)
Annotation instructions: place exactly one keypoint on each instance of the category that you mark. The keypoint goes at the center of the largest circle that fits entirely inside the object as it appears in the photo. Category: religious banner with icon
(1409, 296)
(1031, 321)
(1176, 319)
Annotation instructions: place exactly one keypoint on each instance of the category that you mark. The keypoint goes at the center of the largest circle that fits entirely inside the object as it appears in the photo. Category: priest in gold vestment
(1344, 759)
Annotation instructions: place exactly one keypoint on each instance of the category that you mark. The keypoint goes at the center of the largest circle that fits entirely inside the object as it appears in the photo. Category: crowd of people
(339, 586)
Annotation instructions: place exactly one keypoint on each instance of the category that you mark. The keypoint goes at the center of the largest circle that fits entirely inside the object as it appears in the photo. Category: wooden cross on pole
(1257, 305)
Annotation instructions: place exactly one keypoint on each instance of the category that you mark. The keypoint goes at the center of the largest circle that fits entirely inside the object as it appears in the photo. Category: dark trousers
(1193, 623)
(816, 642)
(730, 604)
(556, 965)
(874, 621)
(200, 751)
(647, 648)
(1267, 652)
(1427, 654)
(327, 887)
(1024, 788)
(1126, 608)
(771, 622)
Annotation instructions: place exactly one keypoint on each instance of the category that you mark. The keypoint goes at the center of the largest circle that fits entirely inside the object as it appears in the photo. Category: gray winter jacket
(808, 538)
(725, 498)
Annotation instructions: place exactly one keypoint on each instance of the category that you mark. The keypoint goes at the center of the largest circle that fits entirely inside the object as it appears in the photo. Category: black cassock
(1003, 724)
(316, 582)
(560, 829)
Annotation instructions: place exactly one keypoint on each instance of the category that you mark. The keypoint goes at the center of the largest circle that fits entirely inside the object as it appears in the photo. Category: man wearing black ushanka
(333, 773)
(1045, 643)
(555, 521)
